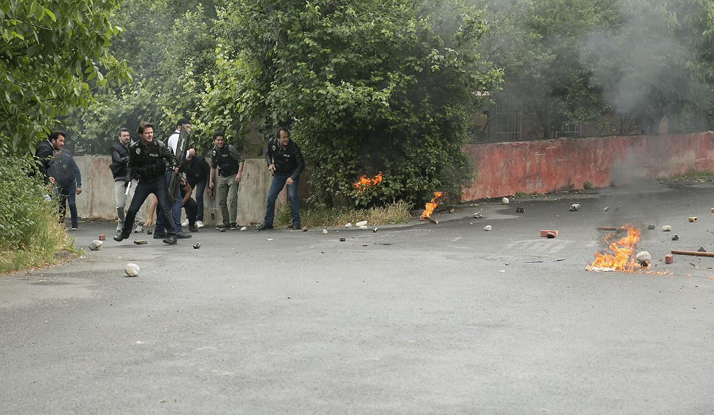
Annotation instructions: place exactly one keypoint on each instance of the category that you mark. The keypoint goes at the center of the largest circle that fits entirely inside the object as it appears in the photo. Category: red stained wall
(503, 169)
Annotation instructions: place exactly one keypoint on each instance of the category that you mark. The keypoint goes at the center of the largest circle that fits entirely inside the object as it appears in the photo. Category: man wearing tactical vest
(120, 160)
(228, 161)
(147, 159)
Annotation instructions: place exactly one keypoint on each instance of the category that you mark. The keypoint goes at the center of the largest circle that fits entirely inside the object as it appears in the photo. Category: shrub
(29, 232)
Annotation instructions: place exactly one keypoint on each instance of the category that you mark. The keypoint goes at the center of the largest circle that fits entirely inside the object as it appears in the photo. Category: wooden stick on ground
(434, 221)
(694, 253)
(608, 228)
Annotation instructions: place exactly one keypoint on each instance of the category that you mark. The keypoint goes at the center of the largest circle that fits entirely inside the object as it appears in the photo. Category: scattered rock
(348, 225)
(324, 231)
(692, 219)
(505, 201)
(197, 245)
(487, 228)
(701, 249)
(666, 228)
(606, 208)
(95, 245)
(140, 242)
(102, 237)
(243, 229)
(544, 233)
(365, 245)
(304, 228)
(342, 239)
(675, 238)
(365, 227)
(643, 256)
(478, 215)
(452, 210)
(575, 207)
(668, 259)
(132, 270)
(149, 232)
(651, 227)
(375, 230)
(520, 209)
(361, 223)
(550, 235)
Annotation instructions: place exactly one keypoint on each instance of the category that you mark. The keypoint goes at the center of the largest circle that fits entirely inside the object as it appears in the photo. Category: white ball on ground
(132, 270)
(95, 245)
(505, 201)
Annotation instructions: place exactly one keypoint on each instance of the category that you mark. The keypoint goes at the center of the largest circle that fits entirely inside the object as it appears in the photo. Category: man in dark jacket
(148, 159)
(285, 162)
(227, 166)
(45, 151)
(65, 174)
(120, 161)
(197, 171)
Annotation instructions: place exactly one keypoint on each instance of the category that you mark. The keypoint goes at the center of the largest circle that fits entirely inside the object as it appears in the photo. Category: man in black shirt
(120, 162)
(45, 151)
(197, 171)
(148, 159)
(65, 174)
(227, 160)
(285, 162)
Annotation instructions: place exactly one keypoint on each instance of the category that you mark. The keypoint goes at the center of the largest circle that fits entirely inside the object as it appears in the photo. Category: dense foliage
(51, 54)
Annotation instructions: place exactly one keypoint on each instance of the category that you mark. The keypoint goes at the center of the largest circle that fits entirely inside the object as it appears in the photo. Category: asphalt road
(415, 319)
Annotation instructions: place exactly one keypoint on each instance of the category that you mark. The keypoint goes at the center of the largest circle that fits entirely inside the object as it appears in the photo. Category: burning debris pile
(431, 206)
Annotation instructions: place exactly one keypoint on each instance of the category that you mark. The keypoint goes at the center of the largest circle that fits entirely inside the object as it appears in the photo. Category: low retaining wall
(503, 169)
(97, 198)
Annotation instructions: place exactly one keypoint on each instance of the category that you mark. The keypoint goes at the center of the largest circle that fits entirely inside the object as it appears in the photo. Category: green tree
(367, 86)
(52, 54)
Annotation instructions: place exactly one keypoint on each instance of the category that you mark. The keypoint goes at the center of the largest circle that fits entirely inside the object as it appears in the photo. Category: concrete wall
(97, 199)
(503, 169)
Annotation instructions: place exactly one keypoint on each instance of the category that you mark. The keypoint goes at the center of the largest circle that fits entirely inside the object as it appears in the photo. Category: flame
(621, 258)
(430, 206)
(365, 182)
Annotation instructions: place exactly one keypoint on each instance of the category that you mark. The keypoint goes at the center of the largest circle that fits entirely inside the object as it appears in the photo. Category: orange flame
(365, 182)
(621, 256)
(430, 206)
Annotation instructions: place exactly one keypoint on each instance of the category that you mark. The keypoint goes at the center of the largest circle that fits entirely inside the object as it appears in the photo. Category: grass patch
(394, 213)
(691, 175)
(29, 233)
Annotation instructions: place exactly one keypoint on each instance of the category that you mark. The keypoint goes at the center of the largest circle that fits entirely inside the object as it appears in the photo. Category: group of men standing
(146, 166)
(138, 169)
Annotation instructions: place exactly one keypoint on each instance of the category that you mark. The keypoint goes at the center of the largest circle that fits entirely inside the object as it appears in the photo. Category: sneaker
(73, 228)
(139, 228)
(121, 237)
(234, 226)
(184, 223)
(199, 224)
(192, 228)
(170, 240)
(221, 227)
(160, 235)
(265, 227)
(290, 226)
(297, 226)
(182, 235)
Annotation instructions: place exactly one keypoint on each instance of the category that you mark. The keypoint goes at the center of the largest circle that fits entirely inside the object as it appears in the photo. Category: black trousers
(143, 189)
(191, 211)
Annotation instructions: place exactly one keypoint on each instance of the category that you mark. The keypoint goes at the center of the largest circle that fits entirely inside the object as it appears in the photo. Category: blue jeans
(198, 190)
(67, 195)
(276, 186)
(175, 210)
(143, 190)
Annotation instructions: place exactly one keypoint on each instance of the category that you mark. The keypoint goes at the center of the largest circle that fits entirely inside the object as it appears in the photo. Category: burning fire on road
(365, 182)
(621, 255)
(430, 206)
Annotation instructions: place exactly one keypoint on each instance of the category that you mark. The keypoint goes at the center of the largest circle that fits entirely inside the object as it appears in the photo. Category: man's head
(184, 121)
(146, 132)
(124, 136)
(191, 152)
(218, 139)
(57, 139)
(283, 136)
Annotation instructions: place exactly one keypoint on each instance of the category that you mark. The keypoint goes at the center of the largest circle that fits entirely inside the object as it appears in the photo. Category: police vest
(227, 165)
